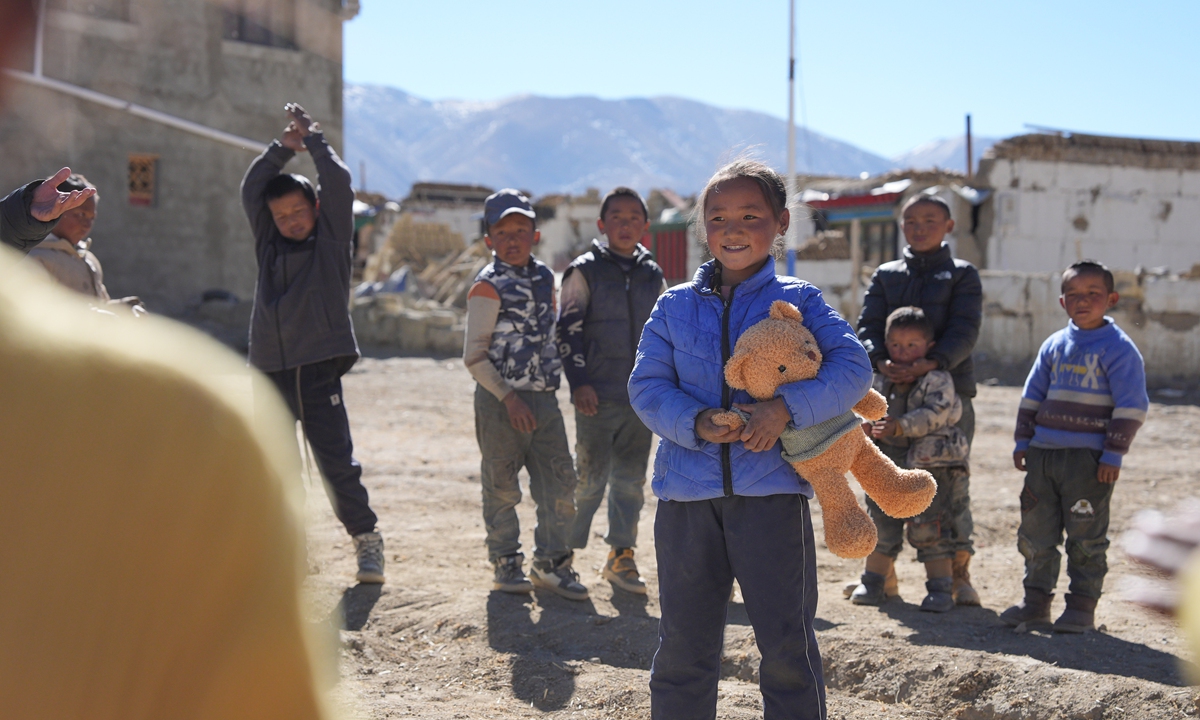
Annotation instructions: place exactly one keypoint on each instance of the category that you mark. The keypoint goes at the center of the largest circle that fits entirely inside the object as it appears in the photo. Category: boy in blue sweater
(1084, 400)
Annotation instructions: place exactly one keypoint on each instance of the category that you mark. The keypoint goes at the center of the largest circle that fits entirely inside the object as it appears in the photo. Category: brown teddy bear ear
(781, 310)
(735, 371)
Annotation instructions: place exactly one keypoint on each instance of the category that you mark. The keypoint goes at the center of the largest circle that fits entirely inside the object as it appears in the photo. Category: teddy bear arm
(729, 418)
(873, 406)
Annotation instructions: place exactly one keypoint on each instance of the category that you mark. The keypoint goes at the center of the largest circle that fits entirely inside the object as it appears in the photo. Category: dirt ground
(435, 642)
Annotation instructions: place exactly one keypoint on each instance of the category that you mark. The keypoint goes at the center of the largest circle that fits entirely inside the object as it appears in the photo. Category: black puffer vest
(620, 304)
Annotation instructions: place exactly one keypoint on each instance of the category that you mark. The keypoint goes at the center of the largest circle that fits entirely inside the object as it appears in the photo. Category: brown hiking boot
(620, 570)
(1033, 611)
(1080, 615)
(963, 593)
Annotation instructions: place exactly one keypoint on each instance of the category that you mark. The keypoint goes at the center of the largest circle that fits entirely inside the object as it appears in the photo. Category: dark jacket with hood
(301, 314)
(950, 293)
(598, 344)
(18, 229)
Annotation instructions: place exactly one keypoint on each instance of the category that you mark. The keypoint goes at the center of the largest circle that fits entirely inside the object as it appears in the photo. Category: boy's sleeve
(962, 323)
(872, 319)
(845, 374)
(1126, 374)
(334, 189)
(483, 307)
(1036, 386)
(18, 228)
(654, 390)
(935, 413)
(573, 304)
(262, 170)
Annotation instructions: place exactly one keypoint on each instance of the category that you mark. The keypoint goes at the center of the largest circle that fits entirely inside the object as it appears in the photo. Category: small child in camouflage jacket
(919, 431)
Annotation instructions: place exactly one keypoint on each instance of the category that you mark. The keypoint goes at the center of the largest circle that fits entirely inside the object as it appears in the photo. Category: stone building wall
(170, 56)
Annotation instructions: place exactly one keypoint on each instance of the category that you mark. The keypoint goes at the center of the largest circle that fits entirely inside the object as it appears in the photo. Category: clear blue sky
(885, 76)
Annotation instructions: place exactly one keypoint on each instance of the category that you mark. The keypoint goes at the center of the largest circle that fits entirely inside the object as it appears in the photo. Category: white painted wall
(1126, 216)
(1161, 315)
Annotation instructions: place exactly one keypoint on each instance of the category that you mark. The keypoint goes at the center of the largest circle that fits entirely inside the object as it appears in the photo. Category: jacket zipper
(726, 393)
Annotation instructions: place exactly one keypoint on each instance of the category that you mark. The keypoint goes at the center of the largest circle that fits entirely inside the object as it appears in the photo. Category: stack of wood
(415, 244)
(825, 245)
(446, 281)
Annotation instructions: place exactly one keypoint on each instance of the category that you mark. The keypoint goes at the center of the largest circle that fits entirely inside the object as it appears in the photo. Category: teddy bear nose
(783, 368)
(811, 355)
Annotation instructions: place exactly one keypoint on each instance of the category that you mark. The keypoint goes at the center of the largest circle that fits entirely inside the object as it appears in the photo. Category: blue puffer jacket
(679, 372)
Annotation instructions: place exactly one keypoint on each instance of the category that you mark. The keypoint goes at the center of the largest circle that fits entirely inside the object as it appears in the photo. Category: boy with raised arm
(300, 331)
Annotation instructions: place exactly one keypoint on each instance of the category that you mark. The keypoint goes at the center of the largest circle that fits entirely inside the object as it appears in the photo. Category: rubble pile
(415, 296)
(825, 245)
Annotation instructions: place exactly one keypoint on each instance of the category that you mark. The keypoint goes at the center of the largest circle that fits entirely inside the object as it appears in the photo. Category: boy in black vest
(607, 296)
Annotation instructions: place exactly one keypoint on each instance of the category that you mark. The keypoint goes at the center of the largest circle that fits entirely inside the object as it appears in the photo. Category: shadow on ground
(980, 629)
(551, 637)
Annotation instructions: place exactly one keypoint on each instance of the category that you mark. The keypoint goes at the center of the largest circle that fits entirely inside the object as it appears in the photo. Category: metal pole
(39, 40)
(791, 136)
(970, 164)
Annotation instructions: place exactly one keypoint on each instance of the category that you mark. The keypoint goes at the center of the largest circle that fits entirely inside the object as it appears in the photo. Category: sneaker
(940, 598)
(558, 578)
(621, 571)
(510, 578)
(369, 549)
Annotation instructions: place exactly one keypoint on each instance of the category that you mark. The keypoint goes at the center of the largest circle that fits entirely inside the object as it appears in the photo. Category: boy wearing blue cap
(511, 352)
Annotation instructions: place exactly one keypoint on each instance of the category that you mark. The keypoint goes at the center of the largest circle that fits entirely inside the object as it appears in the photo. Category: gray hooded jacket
(301, 300)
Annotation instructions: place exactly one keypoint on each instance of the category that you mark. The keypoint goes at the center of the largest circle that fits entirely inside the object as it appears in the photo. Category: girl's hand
(767, 421)
(706, 429)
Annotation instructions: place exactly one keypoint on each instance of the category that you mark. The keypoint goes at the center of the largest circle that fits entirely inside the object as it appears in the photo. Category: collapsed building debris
(415, 291)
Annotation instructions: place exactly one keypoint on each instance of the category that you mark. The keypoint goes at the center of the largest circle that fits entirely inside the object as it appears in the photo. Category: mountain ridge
(568, 144)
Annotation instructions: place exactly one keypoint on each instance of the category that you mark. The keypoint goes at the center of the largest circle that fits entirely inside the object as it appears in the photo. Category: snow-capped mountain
(569, 144)
(946, 154)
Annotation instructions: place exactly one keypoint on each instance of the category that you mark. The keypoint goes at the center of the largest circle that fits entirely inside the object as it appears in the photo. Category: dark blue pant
(767, 544)
(314, 395)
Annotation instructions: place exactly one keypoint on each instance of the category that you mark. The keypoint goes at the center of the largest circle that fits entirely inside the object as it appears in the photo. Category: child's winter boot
(1033, 611)
(939, 598)
(869, 590)
(1079, 616)
(963, 593)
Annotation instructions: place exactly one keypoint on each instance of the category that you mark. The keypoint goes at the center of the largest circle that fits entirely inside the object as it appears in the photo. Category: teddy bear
(780, 350)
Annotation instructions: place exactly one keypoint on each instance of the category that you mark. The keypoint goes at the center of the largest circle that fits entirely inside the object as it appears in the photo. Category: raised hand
(49, 204)
(302, 120)
(292, 139)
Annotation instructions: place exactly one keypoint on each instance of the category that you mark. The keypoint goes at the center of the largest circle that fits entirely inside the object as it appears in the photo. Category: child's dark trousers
(767, 544)
(314, 395)
(1062, 493)
(545, 454)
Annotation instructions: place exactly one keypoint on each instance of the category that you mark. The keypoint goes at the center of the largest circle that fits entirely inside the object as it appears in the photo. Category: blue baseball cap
(506, 202)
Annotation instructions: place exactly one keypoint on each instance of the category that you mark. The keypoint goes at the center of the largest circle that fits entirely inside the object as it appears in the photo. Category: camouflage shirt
(523, 348)
(926, 412)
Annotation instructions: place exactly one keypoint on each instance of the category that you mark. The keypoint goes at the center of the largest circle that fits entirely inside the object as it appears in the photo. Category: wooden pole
(855, 268)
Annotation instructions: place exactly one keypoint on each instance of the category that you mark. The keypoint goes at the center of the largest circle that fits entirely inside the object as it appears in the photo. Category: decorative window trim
(142, 179)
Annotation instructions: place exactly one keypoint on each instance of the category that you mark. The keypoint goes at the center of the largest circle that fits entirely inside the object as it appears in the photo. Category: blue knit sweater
(1087, 389)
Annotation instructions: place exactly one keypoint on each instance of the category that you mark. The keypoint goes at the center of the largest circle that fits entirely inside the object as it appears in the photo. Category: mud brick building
(207, 80)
